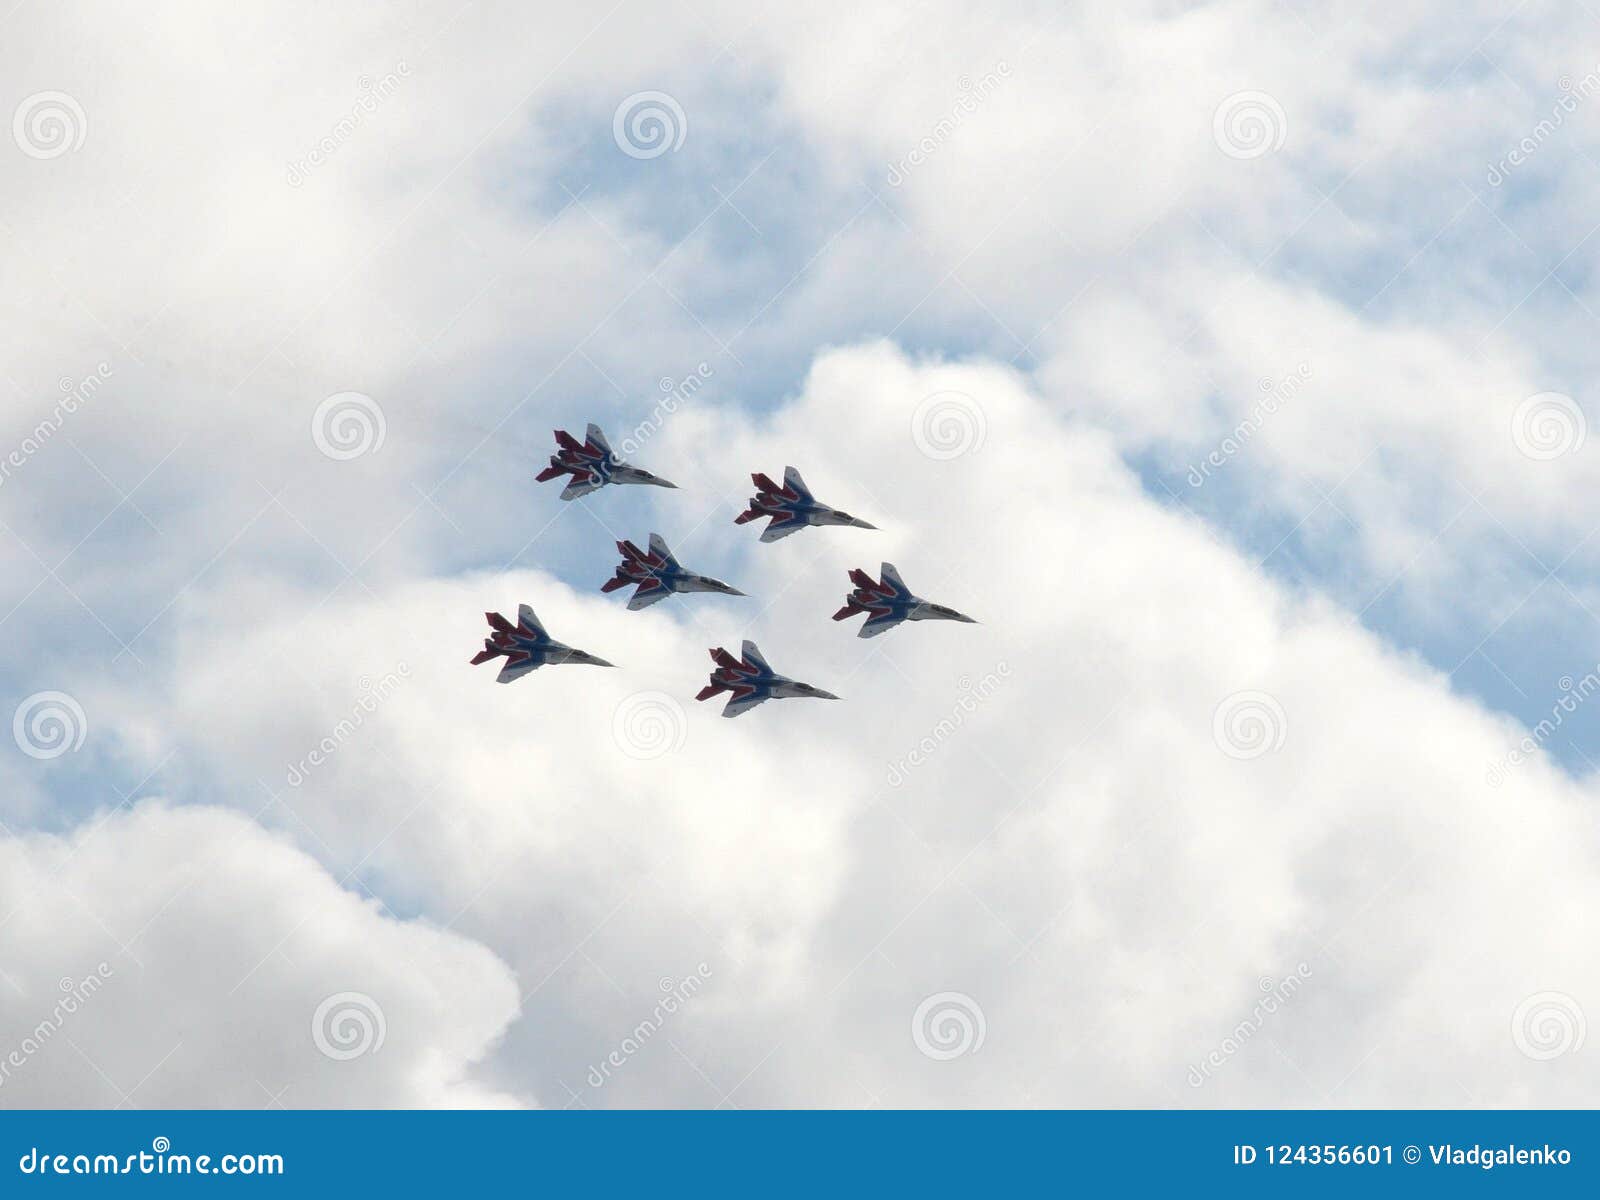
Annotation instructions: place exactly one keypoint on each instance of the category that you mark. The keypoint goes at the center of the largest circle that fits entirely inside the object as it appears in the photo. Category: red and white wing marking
(650, 591)
(736, 676)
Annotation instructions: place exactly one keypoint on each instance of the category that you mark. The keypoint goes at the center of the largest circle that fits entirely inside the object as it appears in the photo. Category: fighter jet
(751, 681)
(526, 647)
(890, 602)
(791, 507)
(592, 465)
(659, 574)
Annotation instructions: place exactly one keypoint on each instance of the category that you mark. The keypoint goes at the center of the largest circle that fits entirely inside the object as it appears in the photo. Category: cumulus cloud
(174, 957)
(1150, 780)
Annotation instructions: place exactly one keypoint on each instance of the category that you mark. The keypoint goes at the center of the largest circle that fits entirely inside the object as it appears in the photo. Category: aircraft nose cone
(666, 483)
(819, 694)
(858, 523)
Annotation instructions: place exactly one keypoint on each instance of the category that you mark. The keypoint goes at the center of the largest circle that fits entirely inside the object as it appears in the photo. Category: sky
(1229, 362)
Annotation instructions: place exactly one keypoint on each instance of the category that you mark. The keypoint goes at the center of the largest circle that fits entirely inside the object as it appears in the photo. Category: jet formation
(655, 573)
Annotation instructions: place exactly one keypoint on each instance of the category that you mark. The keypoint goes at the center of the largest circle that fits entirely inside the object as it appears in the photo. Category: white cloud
(212, 945)
(1079, 855)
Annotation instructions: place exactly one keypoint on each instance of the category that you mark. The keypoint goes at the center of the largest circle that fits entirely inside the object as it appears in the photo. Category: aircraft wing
(775, 530)
(876, 624)
(742, 704)
(658, 545)
(515, 671)
(581, 485)
(752, 655)
(642, 598)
